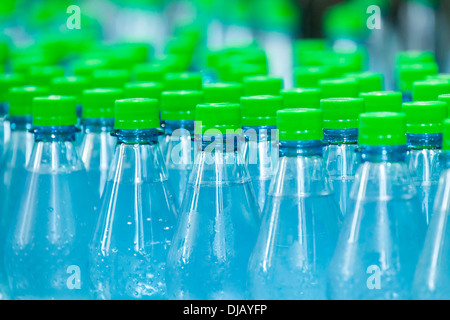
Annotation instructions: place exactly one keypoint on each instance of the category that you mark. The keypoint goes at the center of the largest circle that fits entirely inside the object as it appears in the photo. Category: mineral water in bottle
(382, 235)
(46, 252)
(137, 216)
(218, 220)
(301, 220)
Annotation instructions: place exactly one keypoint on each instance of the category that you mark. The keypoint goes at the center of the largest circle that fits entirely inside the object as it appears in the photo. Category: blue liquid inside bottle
(4, 129)
(342, 160)
(136, 222)
(217, 227)
(46, 255)
(299, 229)
(425, 162)
(260, 152)
(381, 237)
(97, 150)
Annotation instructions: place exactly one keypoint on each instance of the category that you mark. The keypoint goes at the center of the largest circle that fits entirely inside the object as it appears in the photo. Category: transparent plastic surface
(46, 254)
(136, 222)
(382, 236)
(299, 229)
(260, 152)
(217, 229)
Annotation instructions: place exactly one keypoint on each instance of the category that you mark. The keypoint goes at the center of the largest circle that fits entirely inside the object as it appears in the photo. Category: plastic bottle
(382, 101)
(301, 98)
(260, 149)
(218, 220)
(431, 279)
(424, 157)
(341, 154)
(97, 146)
(262, 85)
(300, 222)
(178, 113)
(137, 217)
(382, 235)
(46, 255)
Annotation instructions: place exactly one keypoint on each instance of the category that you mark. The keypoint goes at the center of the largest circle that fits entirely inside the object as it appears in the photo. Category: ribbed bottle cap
(8, 81)
(300, 124)
(341, 113)
(411, 57)
(70, 86)
(430, 90)
(446, 135)
(100, 102)
(261, 110)
(21, 99)
(180, 105)
(220, 92)
(339, 88)
(309, 77)
(262, 85)
(368, 81)
(136, 113)
(217, 118)
(43, 75)
(150, 72)
(425, 116)
(382, 101)
(409, 73)
(183, 81)
(382, 129)
(151, 90)
(110, 78)
(301, 98)
(54, 111)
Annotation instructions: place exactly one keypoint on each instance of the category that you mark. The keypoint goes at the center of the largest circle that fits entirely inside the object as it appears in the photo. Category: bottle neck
(262, 133)
(383, 153)
(219, 143)
(3, 109)
(55, 134)
(301, 148)
(97, 125)
(446, 157)
(341, 136)
(20, 123)
(137, 136)
(170, 126)
(424, 141)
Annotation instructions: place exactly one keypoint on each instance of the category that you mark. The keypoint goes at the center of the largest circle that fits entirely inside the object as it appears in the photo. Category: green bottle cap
(407, 74)
(339, 88)
(70, 86)
(43, 75)
(151, 90)
(240, 71)
(21, 99)
(154, 72)
(300, 124)
(24, 63)
(136, 113)
(309, 77)
(262, 85)
(54, 111)
(382, 129)
(86, 67)
(221, 92)
(446, 135)
(7, 81)
(382, 101)
(180, 105)
(430, 90)
(368, 81)
(261, 110)
(425, 116)
(440, 76)
(100, 102)
(445, 98)
(110, 78)
(411, 57)
(218, 118)
(301, 98)
(183, 81)
(341, 113)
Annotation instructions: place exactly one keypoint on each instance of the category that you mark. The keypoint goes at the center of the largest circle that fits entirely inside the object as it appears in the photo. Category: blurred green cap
(341, 113)
(70, 86)
(368, 81)
(151, 90)
(300, 124)
(9, 80)
(260, 110)
(136, 113)
(262, 85)
(382, 129)
(218, 118)
(425, 116)
(220, 92)
(430, 90)
(309, 76)
(382, 101)
(21, 99)
(100, 102)
(301, 98)
(180, 105)
(339, 88)
(183, 81)
(110, 78)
